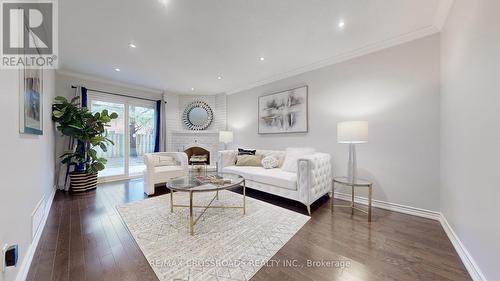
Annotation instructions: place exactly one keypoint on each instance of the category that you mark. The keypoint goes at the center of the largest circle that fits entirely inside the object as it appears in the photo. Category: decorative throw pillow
(242, 151)
(248, 160)
(292, 156)
(278, 154)
(166, 161)
(269, 162)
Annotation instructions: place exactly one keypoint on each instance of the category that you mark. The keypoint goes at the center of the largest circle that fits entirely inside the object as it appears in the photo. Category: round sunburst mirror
(197, 116)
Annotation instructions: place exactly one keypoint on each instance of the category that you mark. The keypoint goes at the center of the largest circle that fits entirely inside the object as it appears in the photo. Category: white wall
(396, 90)
(470, 135)
(27, 169)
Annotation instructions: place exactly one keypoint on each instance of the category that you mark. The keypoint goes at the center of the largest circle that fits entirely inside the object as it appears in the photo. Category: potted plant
(87, 131)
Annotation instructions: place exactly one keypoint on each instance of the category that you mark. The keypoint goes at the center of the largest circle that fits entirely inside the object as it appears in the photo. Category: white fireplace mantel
(183, 139)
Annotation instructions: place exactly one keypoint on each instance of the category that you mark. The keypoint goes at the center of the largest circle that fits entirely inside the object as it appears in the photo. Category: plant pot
(81, 181)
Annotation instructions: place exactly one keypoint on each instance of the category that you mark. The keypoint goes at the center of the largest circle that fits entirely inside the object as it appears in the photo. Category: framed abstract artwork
(31, 101)
(284, 112)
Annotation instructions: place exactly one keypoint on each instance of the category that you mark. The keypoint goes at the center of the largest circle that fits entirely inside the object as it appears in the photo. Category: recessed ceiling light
(341, 24)
(219, 77)
(262, 59)
(192, 89)
(117, 69)
(132, 45)
(164, 2)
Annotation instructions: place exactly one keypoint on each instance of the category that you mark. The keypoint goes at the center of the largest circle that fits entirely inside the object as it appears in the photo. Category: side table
(357, 183)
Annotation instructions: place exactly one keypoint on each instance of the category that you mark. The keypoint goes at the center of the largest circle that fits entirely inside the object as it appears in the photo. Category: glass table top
(346, 180)
(212, 181)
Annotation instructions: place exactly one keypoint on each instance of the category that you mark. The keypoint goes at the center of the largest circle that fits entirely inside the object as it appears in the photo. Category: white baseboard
(468, 261)
(28, 258)
(392, 206)
(475, 272)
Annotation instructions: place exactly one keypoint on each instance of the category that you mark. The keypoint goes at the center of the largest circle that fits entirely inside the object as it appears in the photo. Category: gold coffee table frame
(197, 189)
(358, 183)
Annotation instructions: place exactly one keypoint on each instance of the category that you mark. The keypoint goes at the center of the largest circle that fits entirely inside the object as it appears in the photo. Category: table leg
(217, 195)
(370, 203)
(333, 193)
(191, 231)
(171, 201)
(244, 197)
(352, 199)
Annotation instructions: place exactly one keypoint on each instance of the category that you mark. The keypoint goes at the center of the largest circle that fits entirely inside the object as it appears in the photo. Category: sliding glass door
(141, 136)
(116, 132)
(133, 134)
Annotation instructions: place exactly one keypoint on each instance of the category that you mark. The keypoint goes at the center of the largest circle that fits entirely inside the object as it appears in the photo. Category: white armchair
(162, 166)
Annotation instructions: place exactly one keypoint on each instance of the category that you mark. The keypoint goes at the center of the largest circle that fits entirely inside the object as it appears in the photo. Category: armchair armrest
(314, 177)
(226, 158)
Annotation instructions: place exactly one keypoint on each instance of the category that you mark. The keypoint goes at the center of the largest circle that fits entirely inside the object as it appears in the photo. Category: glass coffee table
(209, 182)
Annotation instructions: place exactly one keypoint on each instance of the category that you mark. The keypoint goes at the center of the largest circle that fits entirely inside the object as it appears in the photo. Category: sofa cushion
(248, 160)
(242, 151)
(275, 177)
(278, 154)
(269, 162)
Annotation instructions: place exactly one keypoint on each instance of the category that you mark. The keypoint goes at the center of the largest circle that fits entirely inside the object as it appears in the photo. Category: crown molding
(107, 81)
(370, 48)
(442, 13)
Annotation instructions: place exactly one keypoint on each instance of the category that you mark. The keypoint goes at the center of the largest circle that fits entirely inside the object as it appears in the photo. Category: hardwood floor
(85, 239)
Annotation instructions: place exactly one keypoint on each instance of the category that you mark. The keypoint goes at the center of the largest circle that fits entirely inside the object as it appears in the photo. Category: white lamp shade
(226, 136)
(352, 132)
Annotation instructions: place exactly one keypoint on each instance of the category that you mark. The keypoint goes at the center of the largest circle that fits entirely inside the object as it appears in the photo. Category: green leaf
(57, 113)
(92, 153)
(103, 147)
(113, 115)
(61, 99)
(105, 119)
(75, 126)
(96, 140)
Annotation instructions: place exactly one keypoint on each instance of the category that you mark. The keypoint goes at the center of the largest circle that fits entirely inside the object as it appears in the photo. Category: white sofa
(312, 180)
(159, 171)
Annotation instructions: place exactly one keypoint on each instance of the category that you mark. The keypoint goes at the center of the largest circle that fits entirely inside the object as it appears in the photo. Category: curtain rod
(116, 94)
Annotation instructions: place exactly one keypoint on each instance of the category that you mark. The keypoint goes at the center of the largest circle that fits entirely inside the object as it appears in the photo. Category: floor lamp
(352, 133)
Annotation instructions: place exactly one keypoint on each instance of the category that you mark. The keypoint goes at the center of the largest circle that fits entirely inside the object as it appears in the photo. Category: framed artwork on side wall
(284, 112)
(31, 101)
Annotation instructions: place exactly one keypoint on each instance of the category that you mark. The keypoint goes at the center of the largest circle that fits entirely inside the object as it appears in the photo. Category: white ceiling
(184, 44)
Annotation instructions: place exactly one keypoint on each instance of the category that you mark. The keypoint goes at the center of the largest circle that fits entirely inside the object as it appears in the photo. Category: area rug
(227, 245)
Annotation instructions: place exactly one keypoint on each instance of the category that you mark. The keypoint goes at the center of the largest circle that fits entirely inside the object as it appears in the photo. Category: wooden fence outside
(145, 143)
